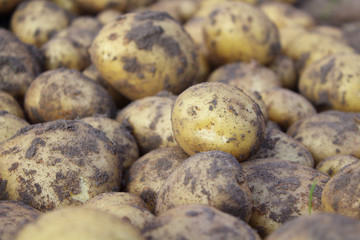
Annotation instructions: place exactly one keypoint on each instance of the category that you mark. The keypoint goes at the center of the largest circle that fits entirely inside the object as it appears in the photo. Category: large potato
(333, 82)
(57, 164)
(79, 224)
(237, 31)
(144, 53)
(280, 192)
(66, 94)
(149, 172)
(10, 125)
(217, 116)
(214, 178)
(195, 221)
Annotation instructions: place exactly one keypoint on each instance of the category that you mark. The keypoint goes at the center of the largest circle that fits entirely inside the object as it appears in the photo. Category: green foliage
(311, 195)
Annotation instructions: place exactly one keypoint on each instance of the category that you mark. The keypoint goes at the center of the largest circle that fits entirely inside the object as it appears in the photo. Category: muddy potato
(333, 82)
(8, 103)
(149, 120)
(284, 15)
(19, 67)
(79, 224)
(96, 6)
(285, 68)
(66, 94)
(279, 145)
(328, 134)
(280, 192)
(213, 178)
(9, 125)
(6, 6)
(217, 116)
(87, 22)
(108, 15)
(144, 53)
(14, 215)
(237, 31)
(149, 172)
(114, 198)
(126, 146)
(34, 22)
(286, 107)
(318, 226)
(68, 5)
(58, 164)
(195, 221)
(332, 165)
(249, 77)
(342, 193)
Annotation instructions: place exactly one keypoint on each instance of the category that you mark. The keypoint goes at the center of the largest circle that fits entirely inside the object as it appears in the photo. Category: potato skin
(214, 178)
(196, 221)
(285, 68)
(66, 94)
(58, 164)
(217, 116)
(8, 103)
(237, 31)
(10, 125)
(114, 198)
(332, 165)
(144, 53)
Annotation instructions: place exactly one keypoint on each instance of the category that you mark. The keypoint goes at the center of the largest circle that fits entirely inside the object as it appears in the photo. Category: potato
(14, 215)
(6, 6)
(286, 107)
(351, 32)
(9, 125)
(283, 147)
(333, 82)
(149, 172)
(66, 94)
(195, 221)
(69, 5)
(181, 10)
(87, 23)
(126, 146)
(108, 15)
(237, 31)
(95, 6)
(342, 193)
(217, 116)
(318, 226)
(214, 178)
(19, 66)
(79, 224)
(328, 134)
(249, 77)
(34, 22)
(194, 26)
(58, 164)
(144, 53)
(149, 120)
(289, 34)
(284, 15)
(332, 31)
(114, 198)
(332, 165)
(280, 192)
(285, 69)
(8, 103)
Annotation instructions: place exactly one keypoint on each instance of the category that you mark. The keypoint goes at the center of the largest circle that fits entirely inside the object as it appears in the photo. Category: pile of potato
(179, 119)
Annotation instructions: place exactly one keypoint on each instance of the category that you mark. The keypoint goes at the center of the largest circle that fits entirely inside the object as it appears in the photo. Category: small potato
(194, 27)
(283, 147)
(181, 10)
(286, 107)
(214, 178)
(34, 22)
(341, 194)
(108, 15)
(249, 77)
(58, 164)
(79, 224)
(285, 69)
(9, 125)
(66, 94)
(332, 31)
(68, 5)
(96, 6)
(114, 198)
(280, 192)
(328, 134)
(149, 172)
(195, 221)
(14, 215)
(289, 34)
(87, 23)
(332, 165)
(237, 31)
(144, 53)
(149, 120)
(333, 82)
(126, 146)
(217, 116)
(8, 103)
(318, 226)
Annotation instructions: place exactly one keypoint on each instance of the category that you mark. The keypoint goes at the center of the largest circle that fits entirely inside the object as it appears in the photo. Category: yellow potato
(8, 103)
(10, 125)
(95, 6)
(285, 68)
(108, 15)
(115, 198)
(332, 165)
